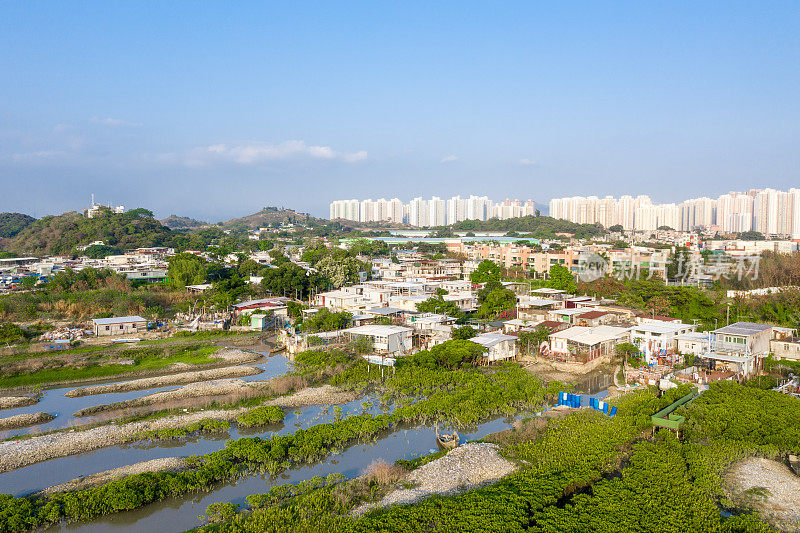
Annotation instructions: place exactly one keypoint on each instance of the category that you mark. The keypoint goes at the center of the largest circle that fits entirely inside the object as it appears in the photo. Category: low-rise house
(498, 345)
(275, 306)
(729, 365)
(387, 339)
(785, 345)
(121, 325)
(745, 338)
(533, 308)
(594, 318)
(565, 315)
(580, 344)
(656, 340)
(694, 343)
(516, 325)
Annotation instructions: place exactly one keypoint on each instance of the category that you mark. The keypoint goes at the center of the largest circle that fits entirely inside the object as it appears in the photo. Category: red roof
(591, 315)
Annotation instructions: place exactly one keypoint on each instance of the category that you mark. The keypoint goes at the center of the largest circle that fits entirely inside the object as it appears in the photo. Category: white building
(388, 339)
(659, 339)
(499, 346)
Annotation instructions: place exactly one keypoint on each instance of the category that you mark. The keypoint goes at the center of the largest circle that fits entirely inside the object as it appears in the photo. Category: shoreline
(20, 453)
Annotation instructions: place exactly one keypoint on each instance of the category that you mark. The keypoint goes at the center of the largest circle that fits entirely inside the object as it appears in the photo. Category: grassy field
(144, 359)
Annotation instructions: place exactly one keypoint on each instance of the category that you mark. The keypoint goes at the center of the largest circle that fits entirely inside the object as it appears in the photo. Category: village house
(385, 339)
(534, 308)
(594, 318)
(659, 340)
(122, 325)
(580, 344)
(693, 343)
(745, 338)
(499, 346)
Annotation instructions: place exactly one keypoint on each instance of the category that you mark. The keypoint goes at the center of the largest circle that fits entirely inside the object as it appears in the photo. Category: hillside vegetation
(61, 234)
(271, 216)
(12, 223)
(176, 222)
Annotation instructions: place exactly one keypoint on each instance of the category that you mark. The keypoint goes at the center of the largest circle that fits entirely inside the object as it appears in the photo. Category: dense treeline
(541, 227)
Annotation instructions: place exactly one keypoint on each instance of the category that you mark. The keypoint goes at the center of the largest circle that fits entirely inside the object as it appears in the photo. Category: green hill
(271, 216)
(54, 235)
(12, 223)
(176, 222)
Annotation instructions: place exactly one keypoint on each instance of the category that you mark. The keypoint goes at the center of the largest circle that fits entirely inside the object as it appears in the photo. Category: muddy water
(180, 514)
(56, 403)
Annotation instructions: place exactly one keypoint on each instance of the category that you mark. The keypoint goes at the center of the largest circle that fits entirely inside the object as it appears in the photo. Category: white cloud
(114, 122)
(255, 152)
(526, 161)
(449, 159)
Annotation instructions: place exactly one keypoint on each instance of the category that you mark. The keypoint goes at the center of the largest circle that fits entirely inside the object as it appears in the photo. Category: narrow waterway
(55, 401)
(39, 476)
(181, 513)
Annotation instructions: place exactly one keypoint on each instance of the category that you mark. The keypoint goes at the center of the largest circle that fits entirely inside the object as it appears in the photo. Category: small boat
(446, 442)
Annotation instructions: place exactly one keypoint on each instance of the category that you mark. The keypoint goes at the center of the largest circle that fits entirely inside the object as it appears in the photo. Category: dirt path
(464, 468)
(163, 381)
(769, 487)
(94, 480)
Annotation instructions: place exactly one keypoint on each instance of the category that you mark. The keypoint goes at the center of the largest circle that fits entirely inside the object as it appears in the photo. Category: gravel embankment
(326, 394)
(12, 402)
(94, 480)
(164, 381)
(464, 468)
(19, 453)
(779, 503)
(24, 420)
(204, 390)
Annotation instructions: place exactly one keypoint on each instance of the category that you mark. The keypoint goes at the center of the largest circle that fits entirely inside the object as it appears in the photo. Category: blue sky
(215, 110)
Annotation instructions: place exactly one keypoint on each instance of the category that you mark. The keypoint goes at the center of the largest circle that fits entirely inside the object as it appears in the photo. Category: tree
(486, 272)
(100, 251)
(437, 304)
(324, 320)
(497, 301)
(463, 333)
(561, 278)
(186, 269)
(342, 270)
(629, 353)
(291, 280)
(616, 228)
(532, 340)
(451, 355)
